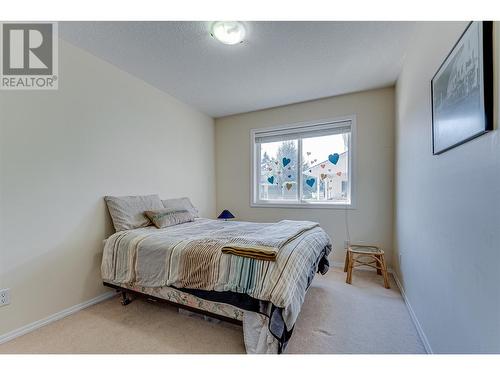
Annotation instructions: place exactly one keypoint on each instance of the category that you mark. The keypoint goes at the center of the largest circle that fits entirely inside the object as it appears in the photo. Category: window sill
(332, 206)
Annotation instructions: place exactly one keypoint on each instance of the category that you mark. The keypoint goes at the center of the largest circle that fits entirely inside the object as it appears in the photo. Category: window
(308, 164)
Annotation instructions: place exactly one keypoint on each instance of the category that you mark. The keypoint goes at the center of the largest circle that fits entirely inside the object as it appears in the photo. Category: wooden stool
(362, 255)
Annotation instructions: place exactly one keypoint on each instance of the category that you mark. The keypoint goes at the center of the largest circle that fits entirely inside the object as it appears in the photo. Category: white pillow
(183, 203)
(128, 212)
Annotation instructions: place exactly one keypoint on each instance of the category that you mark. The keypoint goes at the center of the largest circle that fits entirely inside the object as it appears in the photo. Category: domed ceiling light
(228, 32)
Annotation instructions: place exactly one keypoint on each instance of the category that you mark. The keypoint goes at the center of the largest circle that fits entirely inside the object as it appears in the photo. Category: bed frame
(125, 300)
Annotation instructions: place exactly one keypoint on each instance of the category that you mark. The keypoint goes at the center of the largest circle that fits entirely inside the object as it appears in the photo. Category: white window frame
(255, 165)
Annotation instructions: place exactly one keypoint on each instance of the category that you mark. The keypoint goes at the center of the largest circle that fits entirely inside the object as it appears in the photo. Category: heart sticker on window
(286, 161)
(334, 158)
(310, 182)
(270, 179)
(288, 186)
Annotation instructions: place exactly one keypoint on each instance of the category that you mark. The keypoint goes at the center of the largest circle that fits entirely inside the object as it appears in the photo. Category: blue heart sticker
(289, 176)
(310, 182)
(334, 158)
(270, 179)
(286, 161)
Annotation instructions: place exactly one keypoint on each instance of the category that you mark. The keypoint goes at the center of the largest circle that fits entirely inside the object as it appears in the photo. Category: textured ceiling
(278, 63)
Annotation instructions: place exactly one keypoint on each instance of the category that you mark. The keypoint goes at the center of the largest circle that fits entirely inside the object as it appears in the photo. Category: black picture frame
(455, 112)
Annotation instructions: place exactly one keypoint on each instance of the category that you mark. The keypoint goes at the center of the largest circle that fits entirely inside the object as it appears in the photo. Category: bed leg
(125, 300)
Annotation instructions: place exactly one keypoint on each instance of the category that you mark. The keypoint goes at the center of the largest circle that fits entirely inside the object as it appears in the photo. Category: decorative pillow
(166, 217)
(128, 212)
(180, 204)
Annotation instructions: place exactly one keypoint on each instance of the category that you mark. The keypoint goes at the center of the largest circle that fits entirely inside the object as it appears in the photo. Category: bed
(183, 264)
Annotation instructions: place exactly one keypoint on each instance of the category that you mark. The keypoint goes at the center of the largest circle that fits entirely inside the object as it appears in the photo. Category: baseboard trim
(413, 316)
(54, 317)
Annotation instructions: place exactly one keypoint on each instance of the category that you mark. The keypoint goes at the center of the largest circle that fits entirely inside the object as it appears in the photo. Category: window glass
(325, 175)
(278, 170)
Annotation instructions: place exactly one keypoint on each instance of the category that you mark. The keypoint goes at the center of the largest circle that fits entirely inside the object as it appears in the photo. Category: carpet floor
(363, 318)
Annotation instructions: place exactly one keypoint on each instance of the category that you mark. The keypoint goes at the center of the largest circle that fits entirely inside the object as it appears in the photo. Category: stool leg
(346, 263)
(384, 273)
(349, 268)
(379, 264)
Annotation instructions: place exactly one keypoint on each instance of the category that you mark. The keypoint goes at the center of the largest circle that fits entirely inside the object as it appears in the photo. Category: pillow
(180, 204)
(166, 217)
(128, 212)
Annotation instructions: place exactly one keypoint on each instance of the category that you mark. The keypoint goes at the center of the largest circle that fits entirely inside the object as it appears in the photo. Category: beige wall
(103, 132)
(372, 220)
(447, 221)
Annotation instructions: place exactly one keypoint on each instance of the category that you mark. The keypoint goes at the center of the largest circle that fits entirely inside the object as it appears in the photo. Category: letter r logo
(27, 49)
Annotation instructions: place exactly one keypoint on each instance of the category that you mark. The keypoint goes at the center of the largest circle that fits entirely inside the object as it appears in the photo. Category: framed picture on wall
(462, 90)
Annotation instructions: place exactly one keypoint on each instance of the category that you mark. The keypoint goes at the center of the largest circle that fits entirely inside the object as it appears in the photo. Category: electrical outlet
(4, 297)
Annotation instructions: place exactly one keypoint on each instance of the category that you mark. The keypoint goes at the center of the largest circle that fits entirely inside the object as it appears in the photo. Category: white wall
(103, 132)
(372, 221)
(447, 220)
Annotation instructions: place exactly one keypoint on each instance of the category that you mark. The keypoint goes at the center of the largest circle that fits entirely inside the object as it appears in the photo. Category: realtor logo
(29, 56)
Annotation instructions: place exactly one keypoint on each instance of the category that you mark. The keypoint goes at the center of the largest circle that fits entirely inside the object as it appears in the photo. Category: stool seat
(366, 249)
(365, 255)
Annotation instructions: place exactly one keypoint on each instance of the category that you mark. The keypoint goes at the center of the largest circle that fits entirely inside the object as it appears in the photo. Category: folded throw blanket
(251, 251)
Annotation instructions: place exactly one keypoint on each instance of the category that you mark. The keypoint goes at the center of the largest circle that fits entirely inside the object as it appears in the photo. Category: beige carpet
(335, 318)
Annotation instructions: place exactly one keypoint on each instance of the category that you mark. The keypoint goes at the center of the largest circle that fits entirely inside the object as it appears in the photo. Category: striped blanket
(189, 256)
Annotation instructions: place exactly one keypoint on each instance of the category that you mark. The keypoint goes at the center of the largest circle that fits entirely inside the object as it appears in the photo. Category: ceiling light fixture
(228, 32)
